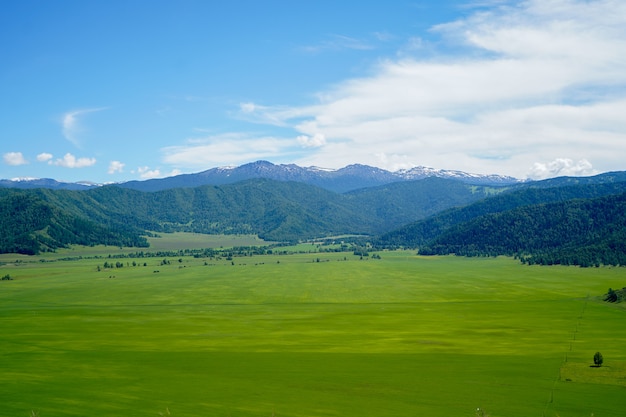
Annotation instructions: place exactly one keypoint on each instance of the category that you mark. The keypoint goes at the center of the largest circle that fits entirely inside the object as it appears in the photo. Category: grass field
(310, 335)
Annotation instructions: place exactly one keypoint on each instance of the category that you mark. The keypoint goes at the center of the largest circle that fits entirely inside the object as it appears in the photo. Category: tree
(598, 359)
(611, 296)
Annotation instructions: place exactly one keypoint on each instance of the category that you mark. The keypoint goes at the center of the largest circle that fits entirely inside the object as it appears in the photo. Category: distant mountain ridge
(28, 183)
(349, 178)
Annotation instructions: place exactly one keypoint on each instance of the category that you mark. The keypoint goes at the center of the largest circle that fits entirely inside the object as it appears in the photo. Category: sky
(110, 91)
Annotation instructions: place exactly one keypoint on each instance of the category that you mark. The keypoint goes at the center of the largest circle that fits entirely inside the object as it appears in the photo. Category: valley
(313, 208)
(306, 332)
(268, 297)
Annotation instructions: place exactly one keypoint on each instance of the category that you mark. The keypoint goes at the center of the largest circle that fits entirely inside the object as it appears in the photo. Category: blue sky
(108, 91)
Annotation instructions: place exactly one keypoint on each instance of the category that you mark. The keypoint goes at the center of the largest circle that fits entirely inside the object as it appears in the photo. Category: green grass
(290, 336)
(182, 240)
(164, 242)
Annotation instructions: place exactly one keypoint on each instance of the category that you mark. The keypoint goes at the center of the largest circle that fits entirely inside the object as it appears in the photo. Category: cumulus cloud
(71, 125)
(44, 157)
(533, 79)
(70, 161)
(314, 141)
(561, 167)
(14, 158)
(115, 166)
(147, 173)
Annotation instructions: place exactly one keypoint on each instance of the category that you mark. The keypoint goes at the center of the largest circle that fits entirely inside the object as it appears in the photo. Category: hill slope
(397, 204)
(555, 190)
(577, 232)
(274, 210)
(30, 225)
(515, 222)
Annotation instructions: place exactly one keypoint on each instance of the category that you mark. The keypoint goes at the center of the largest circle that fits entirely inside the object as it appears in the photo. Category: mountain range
(30, 183)
(573, 220)
(349, 178)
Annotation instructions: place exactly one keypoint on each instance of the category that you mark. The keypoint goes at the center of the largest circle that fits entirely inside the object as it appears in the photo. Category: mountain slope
(44, 219)
(289, 210)
(30, 183)
(576, 232)
(401, 203)
(351, 177)
(554, 190)
(30, 224)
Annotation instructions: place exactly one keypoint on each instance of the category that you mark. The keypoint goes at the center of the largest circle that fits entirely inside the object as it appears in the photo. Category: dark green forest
(424, 231)
(572, 221)
(576, 222)
(585, 232)
(31, 225)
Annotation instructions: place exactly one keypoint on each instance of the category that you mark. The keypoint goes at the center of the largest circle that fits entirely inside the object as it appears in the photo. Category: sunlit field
(309, 334)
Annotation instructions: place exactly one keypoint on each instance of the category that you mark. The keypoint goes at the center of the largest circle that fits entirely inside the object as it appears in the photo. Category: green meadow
(319, 334)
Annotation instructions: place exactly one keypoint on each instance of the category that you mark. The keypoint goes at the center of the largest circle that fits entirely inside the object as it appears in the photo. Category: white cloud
(70, 161)
(561, 167)
(232, 148)
(71, 125)
(44, 157)
(115, 166)
(314, 141)
(535, 81)
(14, 158)
(147, 173)
(247, 107)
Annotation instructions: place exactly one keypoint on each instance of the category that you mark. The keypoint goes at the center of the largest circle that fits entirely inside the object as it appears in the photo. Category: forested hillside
(45, 219)
(582, 232)
(400, 203)
(423, 231)
(540, 222)
(30, 225)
